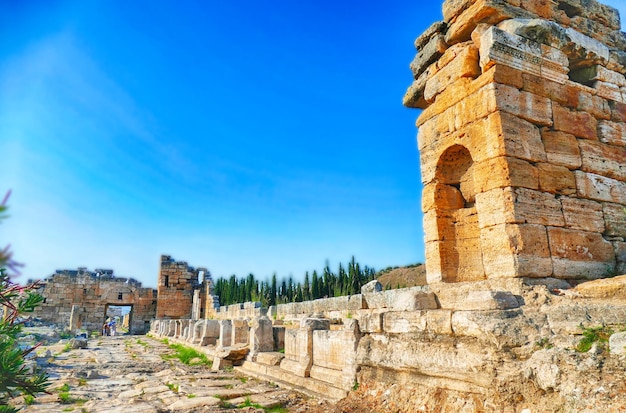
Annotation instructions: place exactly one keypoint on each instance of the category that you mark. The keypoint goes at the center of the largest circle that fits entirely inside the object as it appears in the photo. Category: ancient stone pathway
(127, 374)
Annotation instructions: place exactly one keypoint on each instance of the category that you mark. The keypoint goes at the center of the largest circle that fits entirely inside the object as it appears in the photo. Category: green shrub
(187, 354)
(65, 398)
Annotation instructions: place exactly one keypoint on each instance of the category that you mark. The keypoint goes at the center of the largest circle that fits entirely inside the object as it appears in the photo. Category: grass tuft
(187, 354)
(593, 335)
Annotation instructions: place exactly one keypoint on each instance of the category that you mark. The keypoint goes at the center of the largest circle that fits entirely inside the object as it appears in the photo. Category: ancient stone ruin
(522, 140)
(183, 291)
(80, 299)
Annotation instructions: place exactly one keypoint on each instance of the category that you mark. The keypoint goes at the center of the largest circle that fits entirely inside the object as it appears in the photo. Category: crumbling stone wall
(522, 140)
(183, 291)
(79, 298)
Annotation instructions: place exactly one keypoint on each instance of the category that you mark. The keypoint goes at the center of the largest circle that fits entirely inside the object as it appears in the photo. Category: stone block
(441, 195)
(566, 317)
(481, 300)
(583, 214)
(589, 102)
(464, 64)
(521, 139)
(579, 254)
(617, 343)
(556, 179)
(615, 219)
(400, 322)
(226, 331)
(240, 332)
(600, 188)
(445, 360)
(473, 107)
(432, 31)
(608, 91)
(565, 94)
(579, 124)
(515, 250)
(370, 321)
(197, 330)
(335, 349)
(404, 299)
(457, 92)
(536, 207)
(414, 95)
(497, 47)
(432, 130)
(481, 11)
(606, 288)
(505, 172)
(261, 336)
(373, 286)
(561, 149)
(507, 75)
(612, 133)
(533, 108)
(439, 321)
(77, 342)
(428, 54)
(339, 378)
(603, 159)
(437, 226)
(270, 358)
(495, 207)
(503, 328)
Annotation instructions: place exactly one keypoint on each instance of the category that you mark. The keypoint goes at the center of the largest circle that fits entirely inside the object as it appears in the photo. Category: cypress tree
(306, 288)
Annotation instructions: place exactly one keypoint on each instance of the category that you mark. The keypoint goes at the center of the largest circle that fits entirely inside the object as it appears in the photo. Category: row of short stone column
(220, 333)
(312, 349)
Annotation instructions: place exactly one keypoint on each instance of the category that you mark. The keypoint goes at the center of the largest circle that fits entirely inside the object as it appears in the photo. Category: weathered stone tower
(522, 140)
(183, 291)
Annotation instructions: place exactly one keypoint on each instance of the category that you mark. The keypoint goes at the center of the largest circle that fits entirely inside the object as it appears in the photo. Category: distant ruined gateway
(522, 140)
(80, 299)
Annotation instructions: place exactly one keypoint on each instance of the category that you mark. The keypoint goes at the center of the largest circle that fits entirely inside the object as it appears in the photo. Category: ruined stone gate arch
(80, 298)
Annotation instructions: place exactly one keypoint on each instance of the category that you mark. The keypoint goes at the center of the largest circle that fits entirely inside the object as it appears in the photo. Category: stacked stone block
(522, 140)
(180, 292)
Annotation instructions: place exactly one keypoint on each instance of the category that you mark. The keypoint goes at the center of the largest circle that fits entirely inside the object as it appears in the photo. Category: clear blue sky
(243, 136)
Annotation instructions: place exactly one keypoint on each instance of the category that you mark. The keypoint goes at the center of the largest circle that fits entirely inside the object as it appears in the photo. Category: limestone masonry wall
(522, 140)
(80, 298)
(183, 291)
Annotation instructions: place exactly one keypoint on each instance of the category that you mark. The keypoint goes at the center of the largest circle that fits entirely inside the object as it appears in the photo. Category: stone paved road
(127, 374)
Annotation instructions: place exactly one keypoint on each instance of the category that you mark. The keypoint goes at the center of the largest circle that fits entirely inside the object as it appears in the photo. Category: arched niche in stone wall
(457, 220)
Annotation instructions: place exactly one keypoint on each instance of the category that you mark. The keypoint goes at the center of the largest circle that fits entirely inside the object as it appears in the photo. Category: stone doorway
(122, 315)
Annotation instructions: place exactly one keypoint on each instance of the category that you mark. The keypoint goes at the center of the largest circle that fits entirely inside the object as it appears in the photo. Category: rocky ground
(128, 374)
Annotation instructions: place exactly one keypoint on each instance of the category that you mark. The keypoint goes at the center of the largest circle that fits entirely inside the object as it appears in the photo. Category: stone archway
(460, 252)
